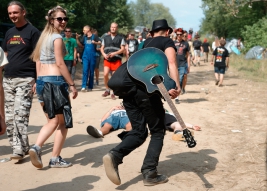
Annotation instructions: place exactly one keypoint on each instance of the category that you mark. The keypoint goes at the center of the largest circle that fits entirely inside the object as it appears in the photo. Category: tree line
(236, 18)
(96, 13)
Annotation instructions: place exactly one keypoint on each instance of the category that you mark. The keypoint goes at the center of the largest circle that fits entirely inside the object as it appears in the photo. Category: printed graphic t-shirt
(182, 49)
(19, 44)
(220, 54)
(70, 44)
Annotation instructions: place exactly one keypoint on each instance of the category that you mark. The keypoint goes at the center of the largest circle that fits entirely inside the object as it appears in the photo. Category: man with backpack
(197, 47)
(131, 45)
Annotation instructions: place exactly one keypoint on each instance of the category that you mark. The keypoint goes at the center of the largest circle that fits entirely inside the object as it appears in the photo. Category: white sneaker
(83, 90)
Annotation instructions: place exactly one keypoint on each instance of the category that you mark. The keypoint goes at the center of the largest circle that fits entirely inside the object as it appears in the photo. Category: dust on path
(222, 159)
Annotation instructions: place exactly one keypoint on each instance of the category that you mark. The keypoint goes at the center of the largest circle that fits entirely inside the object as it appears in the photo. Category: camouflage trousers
(18, 102)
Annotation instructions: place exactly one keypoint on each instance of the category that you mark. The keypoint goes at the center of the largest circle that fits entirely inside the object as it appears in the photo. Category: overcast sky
(187, 13)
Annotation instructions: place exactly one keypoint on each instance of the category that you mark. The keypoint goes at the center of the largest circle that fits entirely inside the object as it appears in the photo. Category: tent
(255, 53)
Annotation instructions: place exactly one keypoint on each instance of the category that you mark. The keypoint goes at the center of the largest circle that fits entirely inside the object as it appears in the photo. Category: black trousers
(142, 111)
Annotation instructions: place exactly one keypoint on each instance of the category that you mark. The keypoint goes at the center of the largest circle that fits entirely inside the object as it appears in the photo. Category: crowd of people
(45, 63)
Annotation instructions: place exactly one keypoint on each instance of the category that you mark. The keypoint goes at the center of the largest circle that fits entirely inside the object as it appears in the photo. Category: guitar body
(146, 63)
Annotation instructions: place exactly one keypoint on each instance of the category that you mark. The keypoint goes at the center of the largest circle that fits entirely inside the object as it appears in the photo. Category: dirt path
(222, 159)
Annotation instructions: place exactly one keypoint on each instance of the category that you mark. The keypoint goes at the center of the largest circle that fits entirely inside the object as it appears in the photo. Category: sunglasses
(60, 19)
(179, 34)
(67, 31)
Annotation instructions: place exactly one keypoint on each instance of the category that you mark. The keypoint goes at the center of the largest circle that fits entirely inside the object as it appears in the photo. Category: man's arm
(78, 41)
(227, 62)
(75, 57)
(173, 70)
(109, 112)
(102, 50)
(117, 52)
(188, 61)
(2, 109)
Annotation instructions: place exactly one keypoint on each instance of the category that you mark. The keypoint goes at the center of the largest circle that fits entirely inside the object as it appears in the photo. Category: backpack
(121, 82)
(197, 44)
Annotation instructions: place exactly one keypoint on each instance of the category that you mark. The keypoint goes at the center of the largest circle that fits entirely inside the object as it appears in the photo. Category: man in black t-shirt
(19, 78)
(182, 58)
(197, 47)
(131, 46)
(144, 110)
(221, 63)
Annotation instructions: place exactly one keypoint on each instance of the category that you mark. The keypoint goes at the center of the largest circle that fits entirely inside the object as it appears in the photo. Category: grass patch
(252, 69)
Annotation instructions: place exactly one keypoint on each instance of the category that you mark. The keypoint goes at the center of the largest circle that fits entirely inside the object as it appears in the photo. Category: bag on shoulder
(121, 82)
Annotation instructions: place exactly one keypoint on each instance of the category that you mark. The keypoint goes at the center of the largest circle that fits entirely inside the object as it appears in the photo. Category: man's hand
(2, 126)
(174, 93)
(77, 35)
(34, 88)
(74, 62)
(111, 55)
(106, 56)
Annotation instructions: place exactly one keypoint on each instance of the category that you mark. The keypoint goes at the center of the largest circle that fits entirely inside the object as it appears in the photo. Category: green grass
(252, 69)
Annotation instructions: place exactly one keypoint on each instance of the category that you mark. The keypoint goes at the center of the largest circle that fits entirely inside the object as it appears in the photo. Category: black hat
(160, 24)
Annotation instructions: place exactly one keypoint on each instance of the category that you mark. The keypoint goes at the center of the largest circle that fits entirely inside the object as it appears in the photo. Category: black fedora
(161, 24)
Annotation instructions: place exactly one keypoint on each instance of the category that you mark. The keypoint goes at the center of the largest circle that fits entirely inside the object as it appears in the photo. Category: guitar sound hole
(157, 79)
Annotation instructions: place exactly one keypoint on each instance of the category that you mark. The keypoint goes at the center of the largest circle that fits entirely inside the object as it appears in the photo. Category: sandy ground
(222, 159)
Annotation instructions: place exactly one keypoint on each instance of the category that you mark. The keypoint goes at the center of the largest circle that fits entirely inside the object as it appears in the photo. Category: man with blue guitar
(144, 107)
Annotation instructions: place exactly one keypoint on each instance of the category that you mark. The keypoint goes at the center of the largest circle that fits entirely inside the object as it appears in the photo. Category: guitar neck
(166, 95)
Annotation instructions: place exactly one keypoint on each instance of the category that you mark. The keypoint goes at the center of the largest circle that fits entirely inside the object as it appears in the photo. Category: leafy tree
(96, 13)
(145, 12)
(254, 34)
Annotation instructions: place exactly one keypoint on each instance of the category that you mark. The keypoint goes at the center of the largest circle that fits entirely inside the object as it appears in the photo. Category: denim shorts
(57, 80)
(220, 70)
(182, 71)
(117, 120)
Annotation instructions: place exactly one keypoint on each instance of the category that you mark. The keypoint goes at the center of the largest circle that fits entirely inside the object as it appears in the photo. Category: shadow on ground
(198, 162)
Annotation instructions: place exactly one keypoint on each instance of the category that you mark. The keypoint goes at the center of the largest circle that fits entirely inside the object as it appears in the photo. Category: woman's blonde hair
(49, 29)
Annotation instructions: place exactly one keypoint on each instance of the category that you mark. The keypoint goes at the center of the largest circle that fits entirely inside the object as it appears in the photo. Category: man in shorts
(112, 49)
(221, 62)
(183, 58)
(116, 118)
(197, 49)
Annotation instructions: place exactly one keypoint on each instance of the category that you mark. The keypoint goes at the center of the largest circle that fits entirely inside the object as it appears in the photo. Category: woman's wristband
(71, 84)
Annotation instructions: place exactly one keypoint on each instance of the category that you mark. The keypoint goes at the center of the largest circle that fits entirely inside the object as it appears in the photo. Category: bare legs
(219, 78)
(56, 125)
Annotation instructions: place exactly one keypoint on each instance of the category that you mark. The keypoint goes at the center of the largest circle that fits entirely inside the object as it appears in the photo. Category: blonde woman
(51, 69)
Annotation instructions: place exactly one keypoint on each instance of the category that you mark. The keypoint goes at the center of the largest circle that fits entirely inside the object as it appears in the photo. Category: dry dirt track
(222, 159)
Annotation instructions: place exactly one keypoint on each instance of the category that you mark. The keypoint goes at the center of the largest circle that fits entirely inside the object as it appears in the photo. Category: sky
(187, 13)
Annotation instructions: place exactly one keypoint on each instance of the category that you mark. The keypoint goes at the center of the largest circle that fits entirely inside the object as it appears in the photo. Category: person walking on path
(3, 62)
(90, 41)
(131, 45)
(197, 48)
(183, 58)
(205, 48)
(144, 110)
(19, 78)
(70, 58)
(53, 78)
(220, 63)
(112, 49)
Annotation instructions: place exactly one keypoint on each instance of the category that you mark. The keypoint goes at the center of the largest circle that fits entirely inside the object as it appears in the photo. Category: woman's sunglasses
(60, 19)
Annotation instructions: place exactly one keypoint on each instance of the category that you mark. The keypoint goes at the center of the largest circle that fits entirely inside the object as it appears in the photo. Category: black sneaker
(35, 156)
(152, 178)
(59, 163)
(111, 168)
(93, 132)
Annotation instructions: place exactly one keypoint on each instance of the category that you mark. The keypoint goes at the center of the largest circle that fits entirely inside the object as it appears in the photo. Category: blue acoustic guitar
(150, 66)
